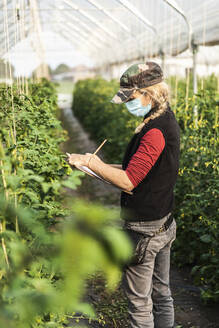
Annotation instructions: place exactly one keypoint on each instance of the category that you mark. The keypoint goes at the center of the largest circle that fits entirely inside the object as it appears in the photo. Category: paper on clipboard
(90, 172)
(93, 174)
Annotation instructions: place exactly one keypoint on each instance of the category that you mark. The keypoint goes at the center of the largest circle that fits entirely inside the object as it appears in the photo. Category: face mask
(135, 107)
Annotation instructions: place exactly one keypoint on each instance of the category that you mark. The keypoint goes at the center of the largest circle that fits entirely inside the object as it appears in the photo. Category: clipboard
(88, 171)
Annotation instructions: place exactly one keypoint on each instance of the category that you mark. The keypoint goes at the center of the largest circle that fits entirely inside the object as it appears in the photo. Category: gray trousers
(146, 279)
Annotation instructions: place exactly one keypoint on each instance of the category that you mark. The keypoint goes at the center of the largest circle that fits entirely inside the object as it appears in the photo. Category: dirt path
(189, 310)
(79, 142)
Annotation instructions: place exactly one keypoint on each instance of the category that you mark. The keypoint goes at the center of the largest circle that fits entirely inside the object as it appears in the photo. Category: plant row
(43, 266)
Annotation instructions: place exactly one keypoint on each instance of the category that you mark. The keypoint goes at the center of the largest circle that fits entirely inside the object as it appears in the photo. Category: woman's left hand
(78, 159)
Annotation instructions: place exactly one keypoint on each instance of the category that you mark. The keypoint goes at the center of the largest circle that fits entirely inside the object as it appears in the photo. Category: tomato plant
(42, 270)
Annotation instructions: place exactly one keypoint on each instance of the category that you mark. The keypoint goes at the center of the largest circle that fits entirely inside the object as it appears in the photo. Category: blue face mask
(135, 107)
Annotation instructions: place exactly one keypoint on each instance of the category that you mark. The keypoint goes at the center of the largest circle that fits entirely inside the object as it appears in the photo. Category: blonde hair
(159, 93)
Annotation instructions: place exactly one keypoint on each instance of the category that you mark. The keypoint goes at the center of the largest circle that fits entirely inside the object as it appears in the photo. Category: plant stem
(2, 229)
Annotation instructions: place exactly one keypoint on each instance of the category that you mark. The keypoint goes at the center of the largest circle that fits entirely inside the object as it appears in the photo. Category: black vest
(153, 197)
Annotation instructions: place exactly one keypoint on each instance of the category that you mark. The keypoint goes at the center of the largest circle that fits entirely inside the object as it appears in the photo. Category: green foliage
(47, 270)
(197, 189)
(196, 208)
(32, 162)
(42, 267)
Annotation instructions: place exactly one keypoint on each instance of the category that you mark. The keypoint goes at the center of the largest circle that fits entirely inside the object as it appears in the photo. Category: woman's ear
(146, 99)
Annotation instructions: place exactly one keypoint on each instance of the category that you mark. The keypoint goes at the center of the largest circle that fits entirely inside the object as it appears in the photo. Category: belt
(166, 225)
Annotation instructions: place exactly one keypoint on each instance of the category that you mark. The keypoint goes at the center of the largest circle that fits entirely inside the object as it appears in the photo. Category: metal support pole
(193, 47)
(195, 87)
(162, 56)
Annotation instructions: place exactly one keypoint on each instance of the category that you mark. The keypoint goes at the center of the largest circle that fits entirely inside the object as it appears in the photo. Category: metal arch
(177, 28)
(66, 33)
(83, 39)
(77, 20)
(103, 40)
(94, 20)
(176, 7)
(192, 47)
(100, 37)
(138, 14)
(88, 44)
(78, 36)
(145, 21)
(106, 12)
(94, 33)
(82, 33)
(66, 36)
(91, 18)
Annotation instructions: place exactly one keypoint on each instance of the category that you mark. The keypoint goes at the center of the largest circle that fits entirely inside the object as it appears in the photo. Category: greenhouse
(108, 130)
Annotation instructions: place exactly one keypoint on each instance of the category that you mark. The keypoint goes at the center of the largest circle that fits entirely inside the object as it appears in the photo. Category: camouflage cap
(137, 76)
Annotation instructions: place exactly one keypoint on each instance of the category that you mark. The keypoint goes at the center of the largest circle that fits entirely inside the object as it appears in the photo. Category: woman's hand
(94, 156)
(79, 159)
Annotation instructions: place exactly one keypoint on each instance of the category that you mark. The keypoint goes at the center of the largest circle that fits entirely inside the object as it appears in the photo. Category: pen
(100, 147)
(96, 149)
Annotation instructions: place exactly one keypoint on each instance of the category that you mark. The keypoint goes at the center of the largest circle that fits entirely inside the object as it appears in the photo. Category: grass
(111, 307)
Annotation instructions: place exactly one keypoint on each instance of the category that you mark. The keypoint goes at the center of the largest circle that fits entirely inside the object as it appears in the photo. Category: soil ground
(111, 309)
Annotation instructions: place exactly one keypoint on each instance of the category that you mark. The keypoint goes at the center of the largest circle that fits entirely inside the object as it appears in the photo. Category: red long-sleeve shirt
(150, 148)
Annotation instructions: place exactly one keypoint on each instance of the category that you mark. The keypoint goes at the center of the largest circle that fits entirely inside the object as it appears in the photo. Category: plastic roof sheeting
(112, 31)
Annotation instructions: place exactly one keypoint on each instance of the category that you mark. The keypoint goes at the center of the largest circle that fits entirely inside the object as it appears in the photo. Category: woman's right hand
(94, 156)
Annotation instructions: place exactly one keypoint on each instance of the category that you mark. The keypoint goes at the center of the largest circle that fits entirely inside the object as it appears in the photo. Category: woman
(149, 169)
